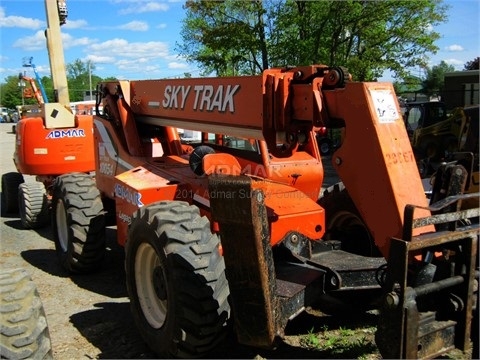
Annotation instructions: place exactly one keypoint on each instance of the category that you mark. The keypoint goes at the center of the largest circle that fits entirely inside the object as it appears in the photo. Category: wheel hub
(62, 225)
(151, 285)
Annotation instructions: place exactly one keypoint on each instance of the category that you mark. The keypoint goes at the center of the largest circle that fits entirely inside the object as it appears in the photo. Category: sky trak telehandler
(234, 227)
(50, 142)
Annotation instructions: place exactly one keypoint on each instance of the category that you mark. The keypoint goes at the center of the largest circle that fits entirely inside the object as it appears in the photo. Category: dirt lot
(89, 316)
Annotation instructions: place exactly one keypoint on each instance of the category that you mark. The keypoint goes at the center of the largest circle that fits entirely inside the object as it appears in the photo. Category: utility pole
(90, 78)
(21, 85)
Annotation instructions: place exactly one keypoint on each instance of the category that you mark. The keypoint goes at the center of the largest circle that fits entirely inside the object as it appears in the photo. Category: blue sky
(135, 39)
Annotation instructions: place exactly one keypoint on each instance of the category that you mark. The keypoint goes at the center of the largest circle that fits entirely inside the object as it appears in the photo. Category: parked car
(4, 114)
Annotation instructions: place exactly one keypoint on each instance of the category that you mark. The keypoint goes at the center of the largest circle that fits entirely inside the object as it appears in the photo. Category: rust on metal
(426, 320)
(242, 218)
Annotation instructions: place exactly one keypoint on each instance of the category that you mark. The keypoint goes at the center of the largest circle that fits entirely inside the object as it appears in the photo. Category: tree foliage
(472, 65)
(47, 84)
(10, 91)
(245, 37)
(78, 79)
(410, 84)
(435, 78)
(226, 37)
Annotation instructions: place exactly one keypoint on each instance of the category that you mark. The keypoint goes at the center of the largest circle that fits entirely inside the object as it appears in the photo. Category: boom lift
(234, 227)
(28, 62)
(33, 91)
(50, 142)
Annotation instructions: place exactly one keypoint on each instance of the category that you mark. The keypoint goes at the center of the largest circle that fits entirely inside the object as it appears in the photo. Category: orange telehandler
(50, 141)
(233, 229)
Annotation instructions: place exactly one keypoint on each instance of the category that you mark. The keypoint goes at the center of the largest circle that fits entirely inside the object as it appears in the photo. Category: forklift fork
(427, 305)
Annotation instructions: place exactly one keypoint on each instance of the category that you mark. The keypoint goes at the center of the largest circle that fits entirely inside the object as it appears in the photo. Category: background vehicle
(32, 92)
(468, 153)
(4, 115)
(233, 228)
(28, 62)
(83, 107)
(325, 143)
(434, 132)
(50, 141)
(328, 140)
(469, 140)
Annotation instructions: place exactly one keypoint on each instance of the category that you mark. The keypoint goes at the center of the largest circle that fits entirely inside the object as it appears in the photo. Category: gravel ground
(89, 315)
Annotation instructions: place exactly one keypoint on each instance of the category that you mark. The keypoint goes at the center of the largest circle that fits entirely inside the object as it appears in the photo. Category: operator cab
(423, 114)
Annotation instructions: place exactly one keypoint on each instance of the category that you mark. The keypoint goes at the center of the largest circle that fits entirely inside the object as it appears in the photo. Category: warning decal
(385, 106)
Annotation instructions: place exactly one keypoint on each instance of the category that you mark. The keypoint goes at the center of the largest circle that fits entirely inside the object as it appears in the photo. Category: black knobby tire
(344, 222)
(196, 158)
(33, 205)
(78, 223)
(10, 183)
(176, 280)
(24, 328)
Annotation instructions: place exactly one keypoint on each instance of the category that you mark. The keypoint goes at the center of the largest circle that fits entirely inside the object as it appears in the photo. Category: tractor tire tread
(86, 222)
(24, 328)
(192, 254)
(33, 205)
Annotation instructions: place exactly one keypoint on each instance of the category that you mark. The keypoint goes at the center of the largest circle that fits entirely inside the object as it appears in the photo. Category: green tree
(472, 65)
(435, 78)
(79, 74)
(410, 84)
(47, 84)
(11, 92)
(368, 37)
(78, 78)
(226, 37)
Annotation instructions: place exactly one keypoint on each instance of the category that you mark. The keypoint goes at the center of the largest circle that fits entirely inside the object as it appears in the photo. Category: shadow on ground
(110, 328)
(109, 280)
